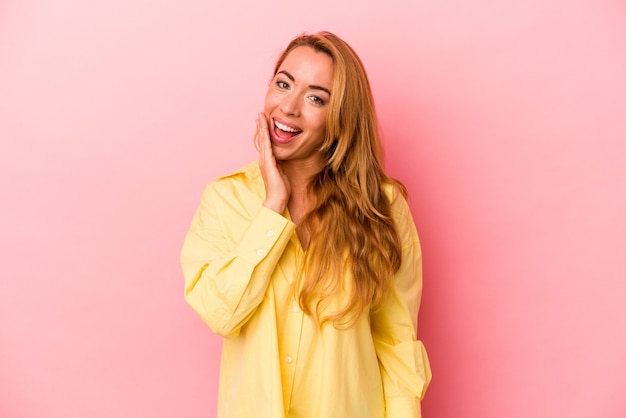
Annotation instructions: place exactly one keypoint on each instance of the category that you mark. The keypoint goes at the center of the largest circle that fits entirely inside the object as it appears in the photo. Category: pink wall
(507, 123)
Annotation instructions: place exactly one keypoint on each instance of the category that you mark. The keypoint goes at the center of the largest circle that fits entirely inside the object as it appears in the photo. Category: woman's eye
(317, 100)
(282, 85)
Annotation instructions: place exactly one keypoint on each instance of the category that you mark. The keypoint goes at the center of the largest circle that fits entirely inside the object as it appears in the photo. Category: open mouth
(286, 128)
(285, 132)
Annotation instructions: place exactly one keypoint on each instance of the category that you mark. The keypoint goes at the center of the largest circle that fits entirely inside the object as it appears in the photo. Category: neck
(300, 174)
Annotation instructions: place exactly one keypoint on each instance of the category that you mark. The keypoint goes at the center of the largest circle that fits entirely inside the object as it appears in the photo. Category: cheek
(271, 101)
(321, 121)
(320, 129)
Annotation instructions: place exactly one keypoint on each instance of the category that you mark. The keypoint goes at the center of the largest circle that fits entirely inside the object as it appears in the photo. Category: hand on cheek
(277, 189)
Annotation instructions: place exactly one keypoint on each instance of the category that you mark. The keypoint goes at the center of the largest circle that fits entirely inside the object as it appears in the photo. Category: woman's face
(297, 105)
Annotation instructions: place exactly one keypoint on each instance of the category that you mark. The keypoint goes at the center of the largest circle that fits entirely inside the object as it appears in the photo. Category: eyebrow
(292, 78)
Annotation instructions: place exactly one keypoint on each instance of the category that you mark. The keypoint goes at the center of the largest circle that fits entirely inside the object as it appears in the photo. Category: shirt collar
(250, 170)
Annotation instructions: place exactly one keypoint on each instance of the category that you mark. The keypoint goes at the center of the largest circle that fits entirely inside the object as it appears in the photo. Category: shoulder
(248, 171)
(397, 199)
(246, 177)
(241, 188)
(401, 213)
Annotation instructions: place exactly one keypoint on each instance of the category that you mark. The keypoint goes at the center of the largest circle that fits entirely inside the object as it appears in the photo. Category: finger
(261, 139)
(265, 144)
(263, 131)
(257, 145)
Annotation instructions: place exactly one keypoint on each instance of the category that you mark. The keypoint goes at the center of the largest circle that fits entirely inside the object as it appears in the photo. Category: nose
(290, 104)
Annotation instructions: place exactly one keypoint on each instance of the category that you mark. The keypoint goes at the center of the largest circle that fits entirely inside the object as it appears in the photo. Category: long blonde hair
(350, 220)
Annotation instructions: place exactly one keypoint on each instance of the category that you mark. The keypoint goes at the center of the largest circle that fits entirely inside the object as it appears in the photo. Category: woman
(307, 262)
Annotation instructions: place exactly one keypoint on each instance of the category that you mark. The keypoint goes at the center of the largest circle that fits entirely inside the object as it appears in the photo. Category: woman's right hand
(277, 188)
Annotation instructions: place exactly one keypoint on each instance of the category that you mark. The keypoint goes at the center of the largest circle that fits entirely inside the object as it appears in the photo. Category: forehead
(309, 66)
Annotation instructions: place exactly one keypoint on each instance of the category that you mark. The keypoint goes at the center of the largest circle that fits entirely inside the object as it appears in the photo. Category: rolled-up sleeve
(404, 366)
(226, 277)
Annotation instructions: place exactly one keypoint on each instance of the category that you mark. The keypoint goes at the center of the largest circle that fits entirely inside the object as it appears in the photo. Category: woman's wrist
(276, 206)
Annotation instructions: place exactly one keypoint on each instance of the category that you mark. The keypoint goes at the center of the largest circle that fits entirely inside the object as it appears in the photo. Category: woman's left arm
(403, 362)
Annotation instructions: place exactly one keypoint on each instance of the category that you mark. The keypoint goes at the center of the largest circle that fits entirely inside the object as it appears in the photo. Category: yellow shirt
(240, 260)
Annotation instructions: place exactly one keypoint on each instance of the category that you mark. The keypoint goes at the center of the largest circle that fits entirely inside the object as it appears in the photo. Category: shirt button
(270, 233)
(288, 359)
(260, 253)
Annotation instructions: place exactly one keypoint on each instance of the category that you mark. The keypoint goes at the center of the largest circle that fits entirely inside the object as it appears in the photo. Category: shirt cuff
(403, 408)
(267, 228)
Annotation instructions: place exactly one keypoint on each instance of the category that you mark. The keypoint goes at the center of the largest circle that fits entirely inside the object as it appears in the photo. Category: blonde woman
(307, 261)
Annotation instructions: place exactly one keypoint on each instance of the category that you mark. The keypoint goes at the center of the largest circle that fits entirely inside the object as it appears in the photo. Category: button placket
(292, 346)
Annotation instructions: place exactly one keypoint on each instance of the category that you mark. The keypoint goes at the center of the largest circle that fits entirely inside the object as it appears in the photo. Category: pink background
(506, 120)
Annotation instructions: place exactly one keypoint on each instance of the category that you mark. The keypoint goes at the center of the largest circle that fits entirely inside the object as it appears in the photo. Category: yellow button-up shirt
(240, 261)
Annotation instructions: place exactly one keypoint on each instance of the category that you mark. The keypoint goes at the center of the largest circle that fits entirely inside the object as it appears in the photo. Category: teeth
(285, 127)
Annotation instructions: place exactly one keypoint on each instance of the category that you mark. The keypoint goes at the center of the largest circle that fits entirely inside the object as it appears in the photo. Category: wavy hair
(352, 232)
